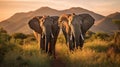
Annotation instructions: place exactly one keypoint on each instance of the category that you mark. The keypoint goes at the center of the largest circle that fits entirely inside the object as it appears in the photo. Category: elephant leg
(54, 50)
(81, 42)
(41, 43)
(71, 43)
(46, 44)
(43, 46)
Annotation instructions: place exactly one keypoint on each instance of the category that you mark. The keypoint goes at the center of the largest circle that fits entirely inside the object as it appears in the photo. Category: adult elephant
(48, 29)
(74, 28)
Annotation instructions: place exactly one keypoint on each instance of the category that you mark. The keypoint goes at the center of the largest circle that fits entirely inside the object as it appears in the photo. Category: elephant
(47, 27)
(74, 28)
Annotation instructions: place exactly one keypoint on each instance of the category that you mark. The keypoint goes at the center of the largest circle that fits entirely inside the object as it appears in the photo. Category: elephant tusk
(71, 37)
(52, 35)
(82, 37)
(42, 36)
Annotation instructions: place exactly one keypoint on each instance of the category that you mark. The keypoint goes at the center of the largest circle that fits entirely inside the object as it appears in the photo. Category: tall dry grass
(27, 55)
(93, 54)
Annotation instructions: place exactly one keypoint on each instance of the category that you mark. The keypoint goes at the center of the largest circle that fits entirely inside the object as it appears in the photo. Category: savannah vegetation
(22, 50)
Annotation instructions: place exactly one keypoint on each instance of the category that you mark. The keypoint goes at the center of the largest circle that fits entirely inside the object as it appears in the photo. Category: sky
(103, 7)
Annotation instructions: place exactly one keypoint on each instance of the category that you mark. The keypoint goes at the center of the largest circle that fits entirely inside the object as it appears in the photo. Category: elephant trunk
(42, 42)
(46, 44)
(49, 43)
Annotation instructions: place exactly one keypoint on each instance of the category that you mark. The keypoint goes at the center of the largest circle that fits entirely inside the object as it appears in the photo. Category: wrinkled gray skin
(74, 28)
(48, 29)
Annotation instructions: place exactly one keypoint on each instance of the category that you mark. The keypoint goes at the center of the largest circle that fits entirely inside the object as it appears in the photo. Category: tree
(4, 38)
(2, 30)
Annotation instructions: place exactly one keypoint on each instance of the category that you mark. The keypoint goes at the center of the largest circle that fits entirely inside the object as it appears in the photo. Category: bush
(2, 30)
(26, 56)
(4, 37)
(117, 40)
(19, 36)
(5, 49)
(102, 36)
(89, 34)
(29, 40)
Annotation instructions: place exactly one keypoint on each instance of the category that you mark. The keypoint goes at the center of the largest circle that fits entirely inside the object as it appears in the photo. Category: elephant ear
(87, 22)
(34, 25)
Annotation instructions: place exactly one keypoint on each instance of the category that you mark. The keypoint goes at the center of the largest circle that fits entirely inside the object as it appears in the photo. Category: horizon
(11, 7)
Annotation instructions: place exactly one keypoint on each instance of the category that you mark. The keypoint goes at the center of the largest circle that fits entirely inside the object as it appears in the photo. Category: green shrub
(19, 41)
(29, 40)
(5, 48)
(2, 30)
(19, 36)
(89, 34)
(4, 37)
(26, 56)
(102, 36)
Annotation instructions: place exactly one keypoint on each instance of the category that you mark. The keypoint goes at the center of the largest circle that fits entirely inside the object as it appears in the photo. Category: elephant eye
(63, 21)
(43, 20)
(70, 19)
(60, 21)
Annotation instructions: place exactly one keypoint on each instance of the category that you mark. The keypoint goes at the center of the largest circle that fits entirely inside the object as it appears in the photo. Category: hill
(19, 21)
(106, 24)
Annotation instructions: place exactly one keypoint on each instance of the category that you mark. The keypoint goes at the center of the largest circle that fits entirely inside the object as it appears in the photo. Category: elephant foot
(43, 51)
(51, 55)
(54, 57)
(80, 48)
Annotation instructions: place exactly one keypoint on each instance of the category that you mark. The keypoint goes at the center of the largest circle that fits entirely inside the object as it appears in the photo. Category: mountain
(19, 21)
(106, 24)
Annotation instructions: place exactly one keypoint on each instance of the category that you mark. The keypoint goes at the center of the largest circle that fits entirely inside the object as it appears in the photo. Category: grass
(95, 53)
(26, 56)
